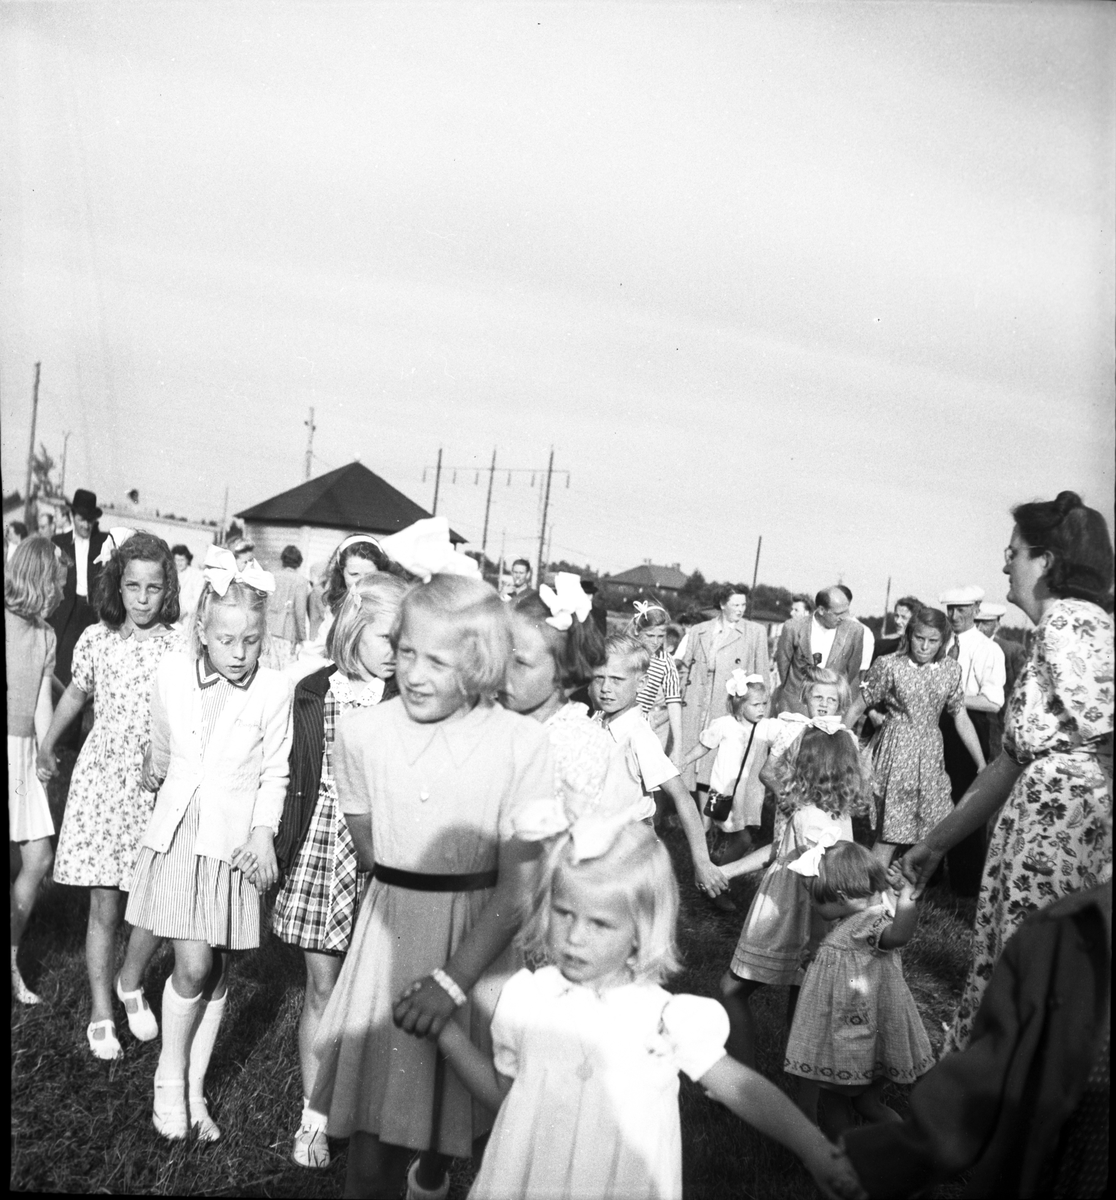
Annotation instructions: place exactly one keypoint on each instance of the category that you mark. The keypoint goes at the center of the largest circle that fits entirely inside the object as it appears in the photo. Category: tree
(42, 467)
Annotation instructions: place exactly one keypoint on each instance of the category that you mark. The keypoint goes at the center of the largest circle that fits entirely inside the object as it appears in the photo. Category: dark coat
(794, 659)
(307, 748)
(74, 615)
(1000, 1106)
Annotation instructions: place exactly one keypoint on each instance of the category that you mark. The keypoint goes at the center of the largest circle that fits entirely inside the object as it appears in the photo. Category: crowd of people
(448, 799)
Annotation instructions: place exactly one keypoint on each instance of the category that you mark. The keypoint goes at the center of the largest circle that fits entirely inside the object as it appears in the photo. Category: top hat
(85, 504)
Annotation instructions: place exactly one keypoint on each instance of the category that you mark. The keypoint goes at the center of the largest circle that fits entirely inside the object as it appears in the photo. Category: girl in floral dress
(912, 688)
(108, 807)
(318, 902)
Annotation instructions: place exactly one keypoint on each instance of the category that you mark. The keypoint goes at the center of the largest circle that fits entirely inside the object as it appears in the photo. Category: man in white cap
(988, 619)
(983, 674)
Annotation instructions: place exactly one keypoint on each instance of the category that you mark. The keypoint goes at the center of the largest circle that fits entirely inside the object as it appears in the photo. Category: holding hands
(46, 764)
(256, 858)
(151, 780)
(424, 1007)
(834, 1174)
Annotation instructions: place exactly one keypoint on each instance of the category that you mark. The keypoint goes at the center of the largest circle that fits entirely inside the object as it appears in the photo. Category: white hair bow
(828, 725)
(425, 550)
(220, 570)
(643, 607)
(739, 682)
(116, 538)
(809, 861)
(566, 600)
(591, 835)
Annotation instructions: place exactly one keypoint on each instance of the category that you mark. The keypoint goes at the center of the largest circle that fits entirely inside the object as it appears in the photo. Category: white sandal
(415, 1192)
(106, 1048)
(311, 1147)
(142, 1022)
(202, 1123)
(168, 1113)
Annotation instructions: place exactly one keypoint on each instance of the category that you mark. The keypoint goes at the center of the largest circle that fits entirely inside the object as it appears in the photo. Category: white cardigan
(241, 779)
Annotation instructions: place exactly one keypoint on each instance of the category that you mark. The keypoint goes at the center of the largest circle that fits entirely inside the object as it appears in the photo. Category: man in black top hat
(81, 545)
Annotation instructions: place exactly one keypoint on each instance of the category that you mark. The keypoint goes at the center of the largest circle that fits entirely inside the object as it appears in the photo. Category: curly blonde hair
(829, 772)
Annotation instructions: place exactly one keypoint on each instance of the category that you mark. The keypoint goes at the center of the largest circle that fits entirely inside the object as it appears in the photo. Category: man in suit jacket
(76, 613)
(830, 638)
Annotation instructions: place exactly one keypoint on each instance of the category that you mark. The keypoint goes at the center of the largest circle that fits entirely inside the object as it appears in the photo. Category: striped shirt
(660, 684)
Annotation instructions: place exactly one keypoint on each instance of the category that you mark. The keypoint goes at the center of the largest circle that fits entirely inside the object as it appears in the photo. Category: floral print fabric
(1054, 834)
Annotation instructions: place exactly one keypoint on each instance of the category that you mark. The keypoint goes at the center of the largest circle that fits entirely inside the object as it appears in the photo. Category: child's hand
(423, 1008)
(256, 858)
(834, 1174)
(903, 888)
(149, 780)
(46, 764)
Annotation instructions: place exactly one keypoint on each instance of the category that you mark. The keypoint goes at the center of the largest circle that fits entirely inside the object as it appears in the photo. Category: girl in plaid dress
(318, 901)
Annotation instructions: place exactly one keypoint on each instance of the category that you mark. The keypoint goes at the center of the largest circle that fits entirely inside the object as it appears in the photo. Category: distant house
(317, 514)
(647, 580)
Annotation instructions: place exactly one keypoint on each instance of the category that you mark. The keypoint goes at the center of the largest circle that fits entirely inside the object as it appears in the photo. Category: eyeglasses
(1011, 553)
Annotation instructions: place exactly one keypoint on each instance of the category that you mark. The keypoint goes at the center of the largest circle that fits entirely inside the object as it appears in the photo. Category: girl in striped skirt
(220, 740)
(318, 902)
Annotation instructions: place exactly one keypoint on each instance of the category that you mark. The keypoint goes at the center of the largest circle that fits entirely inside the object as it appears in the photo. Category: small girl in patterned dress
(220, 741)
(856, 1027)
(108, 805)
(318, 901)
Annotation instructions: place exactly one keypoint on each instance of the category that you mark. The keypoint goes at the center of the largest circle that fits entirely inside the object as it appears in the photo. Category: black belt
(422, 881)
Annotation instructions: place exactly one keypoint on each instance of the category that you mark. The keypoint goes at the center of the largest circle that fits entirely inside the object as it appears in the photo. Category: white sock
(179, 1018)
(201, 1049)
(312, 1119)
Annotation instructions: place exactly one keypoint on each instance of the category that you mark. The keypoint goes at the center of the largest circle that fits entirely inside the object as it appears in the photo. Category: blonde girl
(33, 581)
(317, 904)
(587, 1050)
(827, 786)
(220, 740)
(108, 805)
(429, 783)
(660, 693)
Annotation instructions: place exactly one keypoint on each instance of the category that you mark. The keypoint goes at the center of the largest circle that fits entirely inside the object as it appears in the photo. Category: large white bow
(739, 681)
(220, 570)
(828, 725)
(116, 538)
(591, 835)
(809, 860)
(643, 607)
(566, 600)
(425, 549)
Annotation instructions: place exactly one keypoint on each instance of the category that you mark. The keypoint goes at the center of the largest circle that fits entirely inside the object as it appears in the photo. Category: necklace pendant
(585, 1071)
(424, 795)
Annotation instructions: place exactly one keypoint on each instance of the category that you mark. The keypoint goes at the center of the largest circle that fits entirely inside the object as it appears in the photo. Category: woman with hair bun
(1053, 781)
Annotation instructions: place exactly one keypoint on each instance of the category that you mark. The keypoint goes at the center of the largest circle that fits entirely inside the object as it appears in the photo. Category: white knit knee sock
(201, 1049)
(179, 1020)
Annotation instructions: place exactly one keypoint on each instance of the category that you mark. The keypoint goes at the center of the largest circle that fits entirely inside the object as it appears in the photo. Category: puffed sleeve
(512, 1010)
(82, 670)
(872, 932)
(534, 771)
(714, 733)
(696, 1029)
(878, 682)
(955, 688)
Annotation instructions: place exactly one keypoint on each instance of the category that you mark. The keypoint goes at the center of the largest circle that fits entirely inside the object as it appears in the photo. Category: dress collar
(208, 675)
(459, 735)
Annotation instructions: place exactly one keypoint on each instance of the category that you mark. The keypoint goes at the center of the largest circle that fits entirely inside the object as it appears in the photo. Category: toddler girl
(660, 693)
(555, 648)
(318, 902)
(432, 779)
(827, 786)
(742, 741)
(108, 806)
(587, 1050)
(856, 1027)
(220, 739)
(33, 580)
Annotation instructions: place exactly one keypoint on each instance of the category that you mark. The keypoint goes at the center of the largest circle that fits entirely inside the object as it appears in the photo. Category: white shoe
(311, 1147)
(22, 992)
(142, 1021)
(106, 1046)
(202, 1123)
(168, 1114)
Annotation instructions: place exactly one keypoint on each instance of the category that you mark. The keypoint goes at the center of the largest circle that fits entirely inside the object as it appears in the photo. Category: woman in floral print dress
(1054, 835)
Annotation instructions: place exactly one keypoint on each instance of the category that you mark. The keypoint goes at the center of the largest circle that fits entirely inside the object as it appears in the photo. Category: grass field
(83, 1126)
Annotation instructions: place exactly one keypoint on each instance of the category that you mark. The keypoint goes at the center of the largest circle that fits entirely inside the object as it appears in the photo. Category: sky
(840, 275)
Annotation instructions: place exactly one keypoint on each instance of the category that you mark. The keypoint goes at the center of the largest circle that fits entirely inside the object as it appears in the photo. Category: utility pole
(65, 447)
(755, 572)
(437, 483)
(887, 607)
(31, 451)
(310, 443)
(225, 516)
(542, 530)
(487, 507)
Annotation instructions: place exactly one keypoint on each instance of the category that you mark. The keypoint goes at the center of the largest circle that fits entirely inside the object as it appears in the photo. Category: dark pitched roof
(352, 497)
(650, 575)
